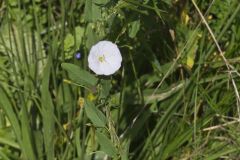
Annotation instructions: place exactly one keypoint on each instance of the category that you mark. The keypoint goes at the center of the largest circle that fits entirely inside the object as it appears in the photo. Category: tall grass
(176, 95)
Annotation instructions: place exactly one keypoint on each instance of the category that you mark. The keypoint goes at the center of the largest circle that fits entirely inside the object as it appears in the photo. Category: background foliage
(176, 95)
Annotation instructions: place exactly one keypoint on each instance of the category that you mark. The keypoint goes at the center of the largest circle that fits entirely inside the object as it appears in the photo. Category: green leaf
(7, 106)
(106, 144)
(105, 88)
(92, 11)
(95, 115)
(78, 75)
(79, 31)
(192, 54)
(134, 28)
(39, 143)
(13, 2)
(47, 113)
(92, 35)
(101, 2)
(7, 137)
(125, 152)
(68, 42)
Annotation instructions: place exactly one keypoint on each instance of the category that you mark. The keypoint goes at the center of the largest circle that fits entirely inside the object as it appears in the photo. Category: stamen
(101, 58)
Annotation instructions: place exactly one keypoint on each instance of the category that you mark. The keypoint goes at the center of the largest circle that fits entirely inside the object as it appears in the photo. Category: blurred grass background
(176, 95)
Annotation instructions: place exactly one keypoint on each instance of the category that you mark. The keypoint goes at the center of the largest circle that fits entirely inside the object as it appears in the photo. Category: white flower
(104, 58)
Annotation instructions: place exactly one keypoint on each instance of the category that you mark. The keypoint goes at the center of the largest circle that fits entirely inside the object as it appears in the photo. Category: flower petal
(114, 62)
(106, 69)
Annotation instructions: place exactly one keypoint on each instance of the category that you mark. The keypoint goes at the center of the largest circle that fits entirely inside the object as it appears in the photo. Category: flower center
(101, 58)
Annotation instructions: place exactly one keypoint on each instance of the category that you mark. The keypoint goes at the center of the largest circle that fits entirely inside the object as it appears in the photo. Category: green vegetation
(176, 95)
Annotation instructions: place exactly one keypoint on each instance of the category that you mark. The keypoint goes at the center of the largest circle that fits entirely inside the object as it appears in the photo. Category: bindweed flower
(104, 58)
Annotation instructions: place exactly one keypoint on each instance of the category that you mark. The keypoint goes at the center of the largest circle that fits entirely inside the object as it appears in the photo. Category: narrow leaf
(95, 115)
(78, 75)
(106, 145)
